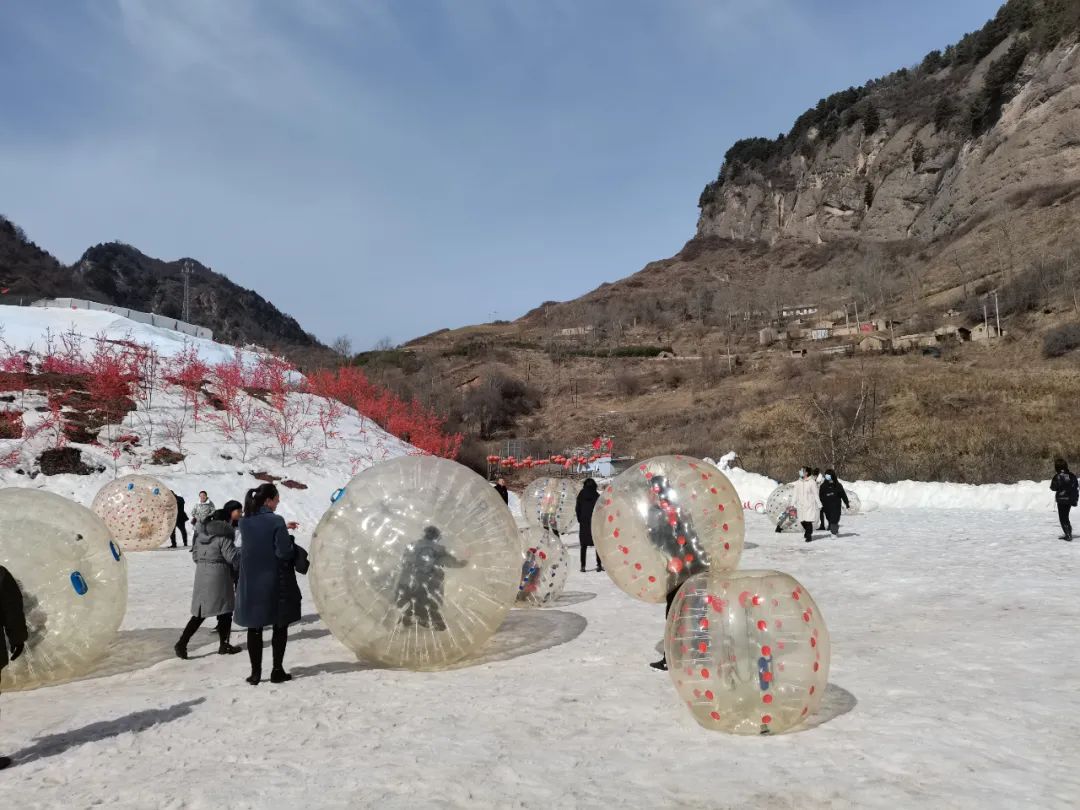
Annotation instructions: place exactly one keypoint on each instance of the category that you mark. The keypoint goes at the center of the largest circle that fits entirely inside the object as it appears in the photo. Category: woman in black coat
(832, 495)
(586, 502)
(266, 592)
(13, 632)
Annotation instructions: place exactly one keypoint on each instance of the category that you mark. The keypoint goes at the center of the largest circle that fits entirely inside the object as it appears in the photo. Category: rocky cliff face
(922, 173)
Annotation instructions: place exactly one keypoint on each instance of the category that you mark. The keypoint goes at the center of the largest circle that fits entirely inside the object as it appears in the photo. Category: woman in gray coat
(267, 593)
(215, 557)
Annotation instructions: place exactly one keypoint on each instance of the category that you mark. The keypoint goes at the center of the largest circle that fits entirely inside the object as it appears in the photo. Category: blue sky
(385, 168)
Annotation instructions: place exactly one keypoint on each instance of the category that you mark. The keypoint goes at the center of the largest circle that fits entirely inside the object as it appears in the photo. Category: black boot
(660, 665)
(5, 762)
(180, 648)
(224, 627)
(277, 645)
(255, 651)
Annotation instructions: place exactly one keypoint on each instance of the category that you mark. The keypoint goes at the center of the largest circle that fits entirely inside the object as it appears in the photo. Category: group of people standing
(245, 569)
(818, 498)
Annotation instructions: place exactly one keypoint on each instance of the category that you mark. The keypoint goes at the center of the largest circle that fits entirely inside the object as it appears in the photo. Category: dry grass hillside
(647, 358)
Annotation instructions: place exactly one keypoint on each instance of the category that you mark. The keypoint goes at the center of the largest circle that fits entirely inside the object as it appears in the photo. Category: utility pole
(997, 313)
(858, 321)
(986, 323)
(185, 271)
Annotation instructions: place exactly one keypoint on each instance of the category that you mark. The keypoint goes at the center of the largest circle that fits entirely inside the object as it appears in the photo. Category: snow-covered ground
(954, 683)
(221, 464)
(754, 489)
(955, 674)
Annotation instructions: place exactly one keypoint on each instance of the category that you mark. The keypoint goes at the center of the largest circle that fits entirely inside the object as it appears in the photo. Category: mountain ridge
(120, 274)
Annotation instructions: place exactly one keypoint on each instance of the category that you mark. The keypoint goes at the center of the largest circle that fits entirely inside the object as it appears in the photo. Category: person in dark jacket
(13, 633)
(832, 494)
(1066, 494)
(504, 493)
(181, 520)
(267, 593)
(586, 503)
(422, 582)
(215, 557)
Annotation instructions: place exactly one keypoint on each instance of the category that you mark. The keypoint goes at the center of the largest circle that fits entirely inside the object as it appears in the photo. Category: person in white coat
(807, 502)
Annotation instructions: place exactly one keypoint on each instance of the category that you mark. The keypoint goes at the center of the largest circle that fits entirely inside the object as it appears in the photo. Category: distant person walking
(820, 479)
(181, 520)
(807, 502)
(586, 503)
(267, 593)
(832, 494)
(504, 493)
(215, 558)
(13, 633)
(200, 514)
(1066, 494)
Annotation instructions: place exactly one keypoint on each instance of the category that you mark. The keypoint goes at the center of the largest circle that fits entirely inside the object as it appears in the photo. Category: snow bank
(1029, 496)
(318, 463)
(24, 328)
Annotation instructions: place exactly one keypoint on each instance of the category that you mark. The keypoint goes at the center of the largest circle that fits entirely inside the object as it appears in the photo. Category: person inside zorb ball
(421, 583)
(139, 510)
(73, 579)
(664, 520)
(417, 563)
(548, 503)
(544, 569)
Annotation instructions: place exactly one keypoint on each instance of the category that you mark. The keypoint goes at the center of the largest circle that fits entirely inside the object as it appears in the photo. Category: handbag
(300, 560)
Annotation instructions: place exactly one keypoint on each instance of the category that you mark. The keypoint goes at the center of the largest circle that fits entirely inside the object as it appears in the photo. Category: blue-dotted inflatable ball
(544, 568)
(139, 510)
(73, 578)
(748, 651)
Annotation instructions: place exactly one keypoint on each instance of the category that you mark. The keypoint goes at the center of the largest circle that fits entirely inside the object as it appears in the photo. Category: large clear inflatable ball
(549, 503)
(73, 578)
(854, 502)
(779, 507)
(139, 510)
(664, 520)
(748, 651)
(417, 564)
(544, 569)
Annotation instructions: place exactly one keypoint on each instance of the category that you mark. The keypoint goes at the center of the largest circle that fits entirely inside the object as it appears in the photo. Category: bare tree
(842, 424)
(342, 345)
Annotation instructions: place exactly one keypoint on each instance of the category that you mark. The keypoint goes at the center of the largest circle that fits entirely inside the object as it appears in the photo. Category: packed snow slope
(218, 460)
(953, 685)
(754, 489)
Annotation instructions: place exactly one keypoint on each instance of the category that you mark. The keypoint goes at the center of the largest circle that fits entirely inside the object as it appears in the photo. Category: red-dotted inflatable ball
(73, 579)
(748, 651)
(417, 564)
(778, 503)
(549, 503)
(139, 510)
(665, 519)
(544, 569)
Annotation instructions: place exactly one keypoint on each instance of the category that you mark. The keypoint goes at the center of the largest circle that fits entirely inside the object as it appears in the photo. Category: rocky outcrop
(908, 178)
